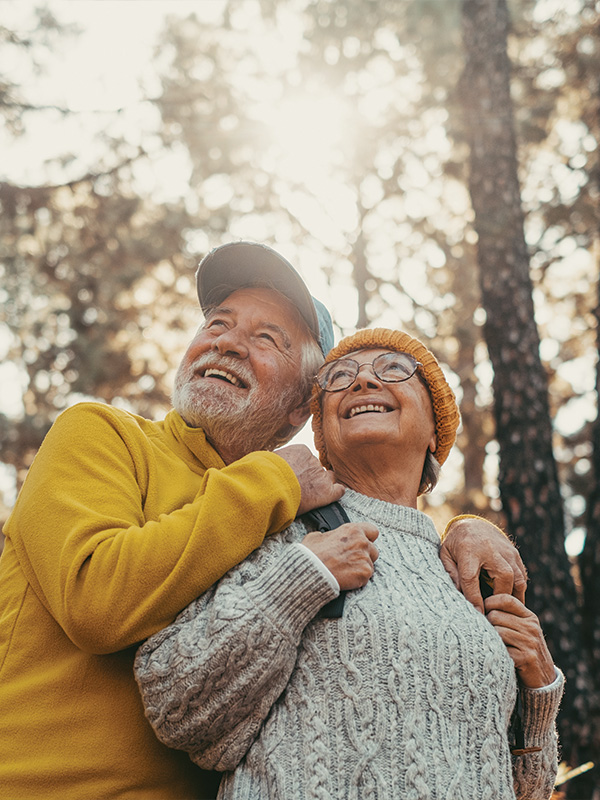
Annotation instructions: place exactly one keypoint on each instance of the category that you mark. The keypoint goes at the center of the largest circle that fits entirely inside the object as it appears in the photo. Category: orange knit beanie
(445, 409)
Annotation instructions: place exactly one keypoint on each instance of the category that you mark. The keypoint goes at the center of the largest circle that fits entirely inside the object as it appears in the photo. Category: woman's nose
(231, 342)
(366, 378)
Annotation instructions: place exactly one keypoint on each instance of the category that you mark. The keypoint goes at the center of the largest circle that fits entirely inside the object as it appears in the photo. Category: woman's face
(373, 412)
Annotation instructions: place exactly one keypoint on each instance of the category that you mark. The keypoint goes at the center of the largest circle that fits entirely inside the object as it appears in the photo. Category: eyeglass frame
(325, 368)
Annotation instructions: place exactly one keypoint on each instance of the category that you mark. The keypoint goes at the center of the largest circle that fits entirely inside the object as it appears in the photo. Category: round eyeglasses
(388, 367)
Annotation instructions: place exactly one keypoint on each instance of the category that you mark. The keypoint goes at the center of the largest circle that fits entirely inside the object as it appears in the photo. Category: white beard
(235, 423)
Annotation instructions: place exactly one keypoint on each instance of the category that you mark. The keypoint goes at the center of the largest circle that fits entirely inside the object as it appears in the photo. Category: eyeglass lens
(389, 367)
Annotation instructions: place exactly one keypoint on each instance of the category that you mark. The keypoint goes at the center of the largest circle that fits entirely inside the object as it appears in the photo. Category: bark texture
(529, 486)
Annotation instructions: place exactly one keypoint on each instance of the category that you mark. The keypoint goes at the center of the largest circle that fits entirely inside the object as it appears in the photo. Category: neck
(232, 448)
(393, 480)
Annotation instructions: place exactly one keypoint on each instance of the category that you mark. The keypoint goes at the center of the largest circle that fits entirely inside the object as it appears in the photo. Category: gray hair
(430, 474)
(311, 358)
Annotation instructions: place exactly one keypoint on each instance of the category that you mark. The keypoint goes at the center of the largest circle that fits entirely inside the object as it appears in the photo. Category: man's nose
(366, 379)
(231, 342)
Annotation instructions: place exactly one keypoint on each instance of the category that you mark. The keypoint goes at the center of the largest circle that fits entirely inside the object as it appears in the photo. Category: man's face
(240, 373)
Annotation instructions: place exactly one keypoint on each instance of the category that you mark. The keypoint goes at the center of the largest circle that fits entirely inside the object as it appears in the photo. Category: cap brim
(239, 265)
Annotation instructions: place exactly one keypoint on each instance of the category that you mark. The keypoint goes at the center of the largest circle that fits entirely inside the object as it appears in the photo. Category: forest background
(426, 164)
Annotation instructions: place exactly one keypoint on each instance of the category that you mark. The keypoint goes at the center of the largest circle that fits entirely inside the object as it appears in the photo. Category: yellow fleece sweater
(121, 523)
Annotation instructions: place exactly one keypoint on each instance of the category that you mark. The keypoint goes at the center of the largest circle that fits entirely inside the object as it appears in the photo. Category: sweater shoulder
(83, 419)
(101, 412)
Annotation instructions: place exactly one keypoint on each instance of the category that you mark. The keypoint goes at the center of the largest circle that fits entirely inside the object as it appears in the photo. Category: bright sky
(109, 67)
(102, 69)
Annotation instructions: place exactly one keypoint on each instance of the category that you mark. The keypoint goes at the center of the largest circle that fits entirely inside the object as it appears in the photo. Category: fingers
(370, 531)
(501, 575)
(317, 485)
(336, 490)
(519, 576)
(469, 586)
(507, 603)
(520, 630)
(464, 570)
(450, 568)
(475, 544)
(508, 573)
(519, 587)
(348, 552)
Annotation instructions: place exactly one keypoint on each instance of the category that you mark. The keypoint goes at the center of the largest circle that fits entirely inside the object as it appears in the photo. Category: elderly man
(122, 522)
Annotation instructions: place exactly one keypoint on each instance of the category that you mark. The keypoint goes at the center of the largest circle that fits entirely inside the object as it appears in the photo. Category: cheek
(330, 420)
(425, 412)
(275, 373)
(267, 374)
(199, 345)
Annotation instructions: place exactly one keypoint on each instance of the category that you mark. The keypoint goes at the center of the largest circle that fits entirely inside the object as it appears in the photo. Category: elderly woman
(410, 693)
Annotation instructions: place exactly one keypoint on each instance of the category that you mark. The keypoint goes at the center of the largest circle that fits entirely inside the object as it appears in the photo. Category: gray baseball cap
(238, 265)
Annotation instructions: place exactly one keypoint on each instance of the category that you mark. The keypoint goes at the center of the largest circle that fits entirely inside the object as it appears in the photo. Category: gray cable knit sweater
(408, 695)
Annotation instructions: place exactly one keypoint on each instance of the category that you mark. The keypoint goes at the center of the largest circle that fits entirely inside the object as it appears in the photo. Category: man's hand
(475, 544)
(520, 630)
(317, 485)
(348, 552)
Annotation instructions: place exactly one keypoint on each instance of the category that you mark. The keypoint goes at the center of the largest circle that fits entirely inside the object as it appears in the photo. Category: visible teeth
(222, 374)
(369, 407)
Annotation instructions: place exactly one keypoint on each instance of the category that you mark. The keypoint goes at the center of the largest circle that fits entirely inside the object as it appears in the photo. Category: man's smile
(223, 375)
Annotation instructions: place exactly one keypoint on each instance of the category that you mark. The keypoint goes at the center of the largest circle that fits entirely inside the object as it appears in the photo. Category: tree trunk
(589, 560)
(529, 487)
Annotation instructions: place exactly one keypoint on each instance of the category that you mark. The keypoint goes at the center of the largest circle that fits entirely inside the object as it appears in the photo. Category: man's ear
(298, 416)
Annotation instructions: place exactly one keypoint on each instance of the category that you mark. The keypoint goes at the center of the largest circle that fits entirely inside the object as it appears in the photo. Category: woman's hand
(348, 552)
(520, 630)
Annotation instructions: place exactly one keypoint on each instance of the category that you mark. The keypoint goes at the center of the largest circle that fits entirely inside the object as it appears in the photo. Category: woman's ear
(433, 443)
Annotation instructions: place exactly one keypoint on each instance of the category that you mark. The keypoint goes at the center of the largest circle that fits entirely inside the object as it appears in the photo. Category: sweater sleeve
(209, 680)
(110, 574)
(534, 774)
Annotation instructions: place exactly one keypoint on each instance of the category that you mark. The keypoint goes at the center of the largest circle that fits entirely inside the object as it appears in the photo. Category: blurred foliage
(333, 131)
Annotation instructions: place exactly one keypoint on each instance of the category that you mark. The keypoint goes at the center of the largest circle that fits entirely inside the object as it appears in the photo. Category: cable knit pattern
(409, 695)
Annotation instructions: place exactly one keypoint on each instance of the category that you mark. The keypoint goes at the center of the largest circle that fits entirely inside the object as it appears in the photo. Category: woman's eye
(396, 370)
(340, 375)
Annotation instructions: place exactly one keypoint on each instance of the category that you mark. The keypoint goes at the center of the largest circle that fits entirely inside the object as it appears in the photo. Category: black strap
(486, 584)
(324, 519)
(328, 517)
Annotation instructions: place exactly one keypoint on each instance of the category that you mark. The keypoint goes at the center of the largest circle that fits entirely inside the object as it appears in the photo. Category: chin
(200, 407)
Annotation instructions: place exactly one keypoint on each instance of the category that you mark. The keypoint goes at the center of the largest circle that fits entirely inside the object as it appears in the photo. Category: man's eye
(267, 337)
(214, 323)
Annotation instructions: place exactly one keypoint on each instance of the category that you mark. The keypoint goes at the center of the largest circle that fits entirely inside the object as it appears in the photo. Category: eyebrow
(217, 310)
(270, 326)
